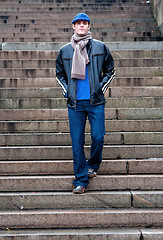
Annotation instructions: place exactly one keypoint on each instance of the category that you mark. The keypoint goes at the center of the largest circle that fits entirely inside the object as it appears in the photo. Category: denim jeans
(77, 121)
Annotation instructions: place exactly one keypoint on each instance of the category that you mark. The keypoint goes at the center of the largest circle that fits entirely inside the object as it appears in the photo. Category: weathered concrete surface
(74, 218)
(61, 103)
(150, 234)
(56, 114)
(151, 165)
(82, 234)
(65, 152)
(56, 46)
(63, 126)
(60, 139)
(64, 183)
(56, 167)
(152, 199)
(64, 200)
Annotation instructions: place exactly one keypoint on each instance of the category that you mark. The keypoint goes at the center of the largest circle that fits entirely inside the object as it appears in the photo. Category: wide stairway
(125, 200)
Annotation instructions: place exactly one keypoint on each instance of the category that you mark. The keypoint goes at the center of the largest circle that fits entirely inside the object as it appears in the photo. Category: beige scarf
(80, 56)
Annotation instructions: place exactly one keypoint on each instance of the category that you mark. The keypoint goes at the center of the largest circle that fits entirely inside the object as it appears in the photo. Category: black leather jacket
(100, 72)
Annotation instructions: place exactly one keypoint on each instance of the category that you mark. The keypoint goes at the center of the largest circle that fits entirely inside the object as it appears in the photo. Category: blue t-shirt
(83, 88)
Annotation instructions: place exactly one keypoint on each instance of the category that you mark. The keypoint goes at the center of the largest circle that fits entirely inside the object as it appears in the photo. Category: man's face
(81, 27)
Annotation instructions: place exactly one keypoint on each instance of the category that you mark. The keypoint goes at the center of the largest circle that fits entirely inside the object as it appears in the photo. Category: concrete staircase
(125, 201)
(49, 20)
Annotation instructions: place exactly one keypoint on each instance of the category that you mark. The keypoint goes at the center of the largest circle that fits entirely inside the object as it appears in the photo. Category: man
(84, 70)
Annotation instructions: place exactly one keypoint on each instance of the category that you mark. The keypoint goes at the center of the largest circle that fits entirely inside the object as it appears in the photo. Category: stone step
(16, 21)
(134, 91)
(82, 234)
(73, 8)
(65, 152)
(51, 103)
(55, 46)
(51, 82)
(31, 18)
(48, 29)
(105, 33)
(47, 4)
(72, 218)
(125, 62)
(38, 26)
(67, 39)
(37, 56)
(56, 92)
(12, 22)
(76, 1)
(65, 167)
(113, 37)
(61, 114)
(58, 139)
(101, 14)
(63, 200)
(63, 126)
(64, 183)
(50, 72)
(43, 9)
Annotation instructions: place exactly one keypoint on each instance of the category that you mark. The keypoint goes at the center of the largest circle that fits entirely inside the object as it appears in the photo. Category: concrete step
(134, 81)
(72, 8)
(72, 218)
(58, 5)
(60, 38)
(41, 29)
(91, 200)
(61, 114)
(18, 21)
(51, 103)
(63, 126)
(65, 167)
(47, 26)
(139, 62)
(82, 234)
(120, 32)
(56, 92)
(113, 37)
(76, 1)
(18, 24)
(125, 62)
(8, 17)
(50, 72)
(53, 46)
(51, 82)
(64, 183)
(65, 152)
(43, 9)
(30, 18)
(58, 139)
(37, 56)
(135, 91)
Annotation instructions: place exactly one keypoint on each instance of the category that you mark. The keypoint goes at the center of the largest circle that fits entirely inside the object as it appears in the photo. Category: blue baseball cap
(81, 17)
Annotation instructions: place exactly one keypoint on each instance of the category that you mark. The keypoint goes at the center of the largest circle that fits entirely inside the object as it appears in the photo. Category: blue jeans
(77, 121)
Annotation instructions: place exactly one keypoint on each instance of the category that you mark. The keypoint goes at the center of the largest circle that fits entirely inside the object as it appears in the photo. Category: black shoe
(91, 173)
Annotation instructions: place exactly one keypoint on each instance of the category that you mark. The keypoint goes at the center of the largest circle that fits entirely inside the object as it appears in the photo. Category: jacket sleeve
(60, 74)
(108, 70)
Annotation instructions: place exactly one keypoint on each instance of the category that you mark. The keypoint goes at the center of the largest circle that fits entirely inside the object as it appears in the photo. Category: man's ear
(73, 26)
